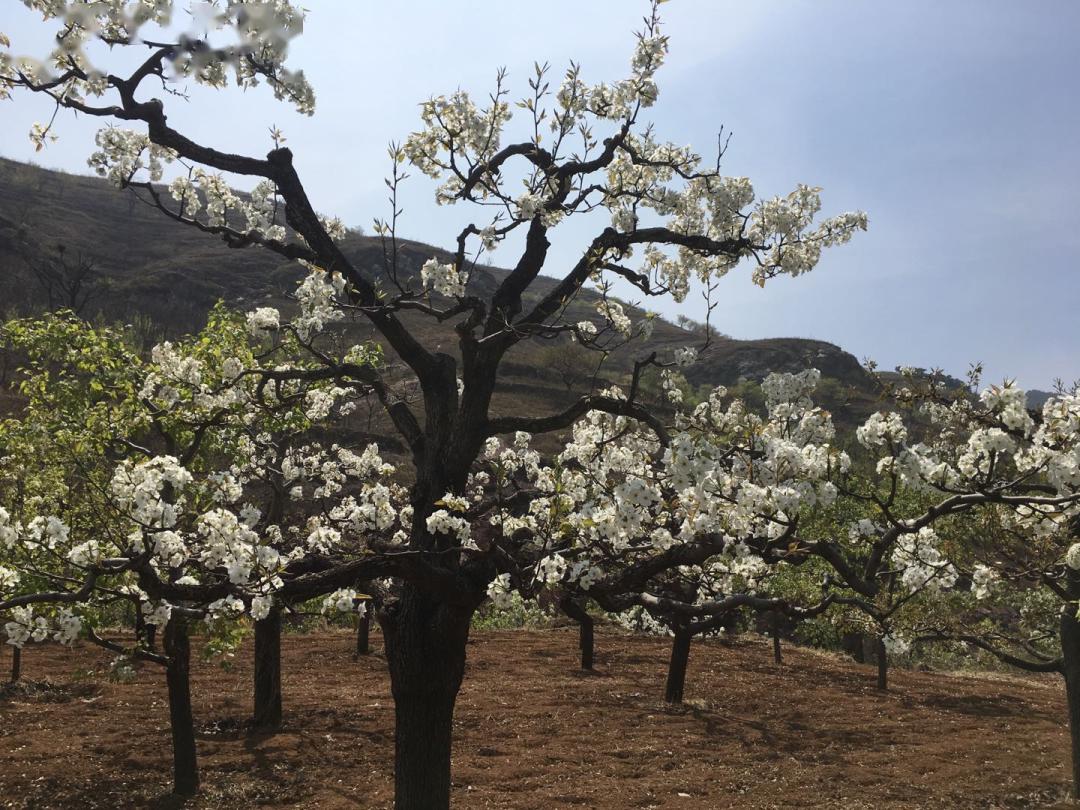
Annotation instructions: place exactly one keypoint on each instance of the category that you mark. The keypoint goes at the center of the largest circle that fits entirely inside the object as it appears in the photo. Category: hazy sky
(955, 125)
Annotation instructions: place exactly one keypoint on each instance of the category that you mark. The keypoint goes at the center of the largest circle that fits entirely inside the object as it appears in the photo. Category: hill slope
(172, 275)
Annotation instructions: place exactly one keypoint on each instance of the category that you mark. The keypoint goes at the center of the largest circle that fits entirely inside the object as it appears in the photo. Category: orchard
(156, 500)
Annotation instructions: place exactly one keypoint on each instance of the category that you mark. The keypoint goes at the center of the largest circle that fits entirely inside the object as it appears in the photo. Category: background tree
(1021, 607)
(573, 363)
(185, 483)
(973, 454)
(686, 523)
(67, 281)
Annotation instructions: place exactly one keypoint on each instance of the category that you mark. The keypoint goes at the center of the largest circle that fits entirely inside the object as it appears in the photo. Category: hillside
(1036, 399)
(170, 276)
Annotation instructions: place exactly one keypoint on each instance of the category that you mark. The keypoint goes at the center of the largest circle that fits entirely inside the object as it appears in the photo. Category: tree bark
(778, 658)
(363, 634)
(16, 664)
(140, 626)
(882, 656)
(586, 643)
(854, 645)
(425, 649)
(680, 657)
(576, 611)
(1070, 653)
(177, 676)
(144, 633)
(267, 714)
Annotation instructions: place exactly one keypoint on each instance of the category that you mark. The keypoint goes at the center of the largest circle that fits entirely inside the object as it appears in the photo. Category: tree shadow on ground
(974, 705)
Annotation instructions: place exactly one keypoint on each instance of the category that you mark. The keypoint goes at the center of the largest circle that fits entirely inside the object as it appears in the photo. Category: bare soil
(532, 731)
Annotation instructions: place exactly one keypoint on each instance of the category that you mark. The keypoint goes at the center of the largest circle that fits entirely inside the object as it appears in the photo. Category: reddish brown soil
(533, 732)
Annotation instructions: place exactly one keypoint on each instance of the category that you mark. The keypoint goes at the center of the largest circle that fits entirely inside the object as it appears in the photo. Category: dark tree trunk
(854, 645)
(363, 634)
(576, 611)
(140, 626)
(778, 658)
(177, 676)
(1070, 655)
(586, 643)
(425, 650)
(16, 664)
(882, 656)
(680, 657)
(426, 629)
(267, 714)
(144, 633)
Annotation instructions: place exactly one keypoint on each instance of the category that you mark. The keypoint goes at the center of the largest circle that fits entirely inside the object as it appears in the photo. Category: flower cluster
(24, 625)
(442, 278)
(920, 562)
(124, 153)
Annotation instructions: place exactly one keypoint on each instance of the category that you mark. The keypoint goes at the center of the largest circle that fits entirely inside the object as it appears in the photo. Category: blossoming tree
(687, 524)
(187, 484)
(941, 455)
(1021, 558)
(585, 148)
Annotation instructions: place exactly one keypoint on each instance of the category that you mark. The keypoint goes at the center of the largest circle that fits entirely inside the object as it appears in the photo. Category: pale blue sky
(953, 124)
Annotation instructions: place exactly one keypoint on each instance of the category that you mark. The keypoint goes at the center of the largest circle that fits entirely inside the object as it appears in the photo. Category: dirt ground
(531, 731)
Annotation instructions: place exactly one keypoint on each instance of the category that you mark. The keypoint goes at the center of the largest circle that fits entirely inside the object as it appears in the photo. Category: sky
(953, 125)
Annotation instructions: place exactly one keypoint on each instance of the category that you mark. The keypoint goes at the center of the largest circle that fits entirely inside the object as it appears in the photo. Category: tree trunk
(16, 664)
(778, 658)
(363, 634)
(586, 643)
(177, 676)
(882, 656)
(1070, 654)
(144, 633)
(267, 713)
(576, 611)
(853, 644)
(680, 656)
(140, 626)
(425, 650)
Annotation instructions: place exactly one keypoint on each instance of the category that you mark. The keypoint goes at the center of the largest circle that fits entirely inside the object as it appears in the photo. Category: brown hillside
(172, 275)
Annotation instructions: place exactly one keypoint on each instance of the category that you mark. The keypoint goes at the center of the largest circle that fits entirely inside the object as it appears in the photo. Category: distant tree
(1020, 558)
(939, 457)
(67, 282)
(684, 534)
(191, 484)
(572, 362)
(699, 328)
